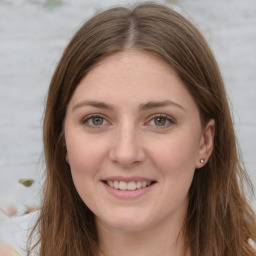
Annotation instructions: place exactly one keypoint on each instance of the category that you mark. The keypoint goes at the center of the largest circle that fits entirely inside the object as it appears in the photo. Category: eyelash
(86, 120)
(163, 116)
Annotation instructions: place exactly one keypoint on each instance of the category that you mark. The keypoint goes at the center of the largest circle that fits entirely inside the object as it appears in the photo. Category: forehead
(132, 76)
(128, 65)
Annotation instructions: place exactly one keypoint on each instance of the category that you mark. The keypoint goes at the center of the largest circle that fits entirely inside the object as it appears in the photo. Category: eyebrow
(142, 107)
(96, 104)
(158, 104)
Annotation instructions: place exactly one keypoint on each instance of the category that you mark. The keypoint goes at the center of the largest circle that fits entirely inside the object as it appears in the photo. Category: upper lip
(127, 179)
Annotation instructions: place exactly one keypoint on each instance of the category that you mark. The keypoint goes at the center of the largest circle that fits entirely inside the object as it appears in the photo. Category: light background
(33, 35)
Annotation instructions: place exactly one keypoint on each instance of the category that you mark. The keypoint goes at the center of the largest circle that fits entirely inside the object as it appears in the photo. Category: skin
(7, 250)
(129, 141)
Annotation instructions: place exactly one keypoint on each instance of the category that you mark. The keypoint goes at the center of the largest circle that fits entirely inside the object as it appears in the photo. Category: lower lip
(128, 194)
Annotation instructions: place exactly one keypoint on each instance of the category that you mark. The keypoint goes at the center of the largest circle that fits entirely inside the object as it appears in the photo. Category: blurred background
(33, 34)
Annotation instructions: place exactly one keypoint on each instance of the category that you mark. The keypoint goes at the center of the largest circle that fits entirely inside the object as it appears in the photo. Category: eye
(161, 121)
(94, 121)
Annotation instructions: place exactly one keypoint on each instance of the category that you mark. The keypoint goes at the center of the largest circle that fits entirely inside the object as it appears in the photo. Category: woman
(140, 149)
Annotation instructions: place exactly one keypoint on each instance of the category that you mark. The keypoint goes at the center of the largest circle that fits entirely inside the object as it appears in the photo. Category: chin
(126, 223)
(130, 227)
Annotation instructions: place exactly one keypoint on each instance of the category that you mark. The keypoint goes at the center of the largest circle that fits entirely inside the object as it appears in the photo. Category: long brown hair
(219, 220)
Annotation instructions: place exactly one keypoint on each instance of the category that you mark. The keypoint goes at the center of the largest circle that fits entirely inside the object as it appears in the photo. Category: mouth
(128, 186)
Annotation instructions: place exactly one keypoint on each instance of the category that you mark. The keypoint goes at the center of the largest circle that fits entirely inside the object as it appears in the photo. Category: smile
(131, 185)
(128, 188)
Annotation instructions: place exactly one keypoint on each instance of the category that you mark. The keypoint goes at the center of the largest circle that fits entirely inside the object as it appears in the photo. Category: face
(134, 139)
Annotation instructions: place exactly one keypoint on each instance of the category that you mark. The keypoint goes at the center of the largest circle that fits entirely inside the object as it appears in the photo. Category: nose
(126, 149)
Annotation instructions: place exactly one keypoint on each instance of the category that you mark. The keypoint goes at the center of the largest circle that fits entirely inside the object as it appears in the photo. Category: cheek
(175, 160)
(175, 154)
(85, 160)
(85, 153)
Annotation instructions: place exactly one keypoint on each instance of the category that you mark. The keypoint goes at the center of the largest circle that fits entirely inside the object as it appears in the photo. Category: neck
(159, 240)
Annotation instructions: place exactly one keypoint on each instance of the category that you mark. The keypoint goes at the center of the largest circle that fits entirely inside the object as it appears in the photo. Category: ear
(67, 158)
(206, 144)
(65, 146)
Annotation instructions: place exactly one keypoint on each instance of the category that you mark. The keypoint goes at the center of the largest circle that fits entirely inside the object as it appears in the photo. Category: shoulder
(7, 250)
(14, 231)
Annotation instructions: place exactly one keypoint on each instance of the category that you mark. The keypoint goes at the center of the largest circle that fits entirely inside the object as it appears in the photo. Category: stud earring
(202, 161)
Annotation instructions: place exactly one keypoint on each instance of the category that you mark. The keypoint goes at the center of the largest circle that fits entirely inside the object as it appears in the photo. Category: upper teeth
(132, 185)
